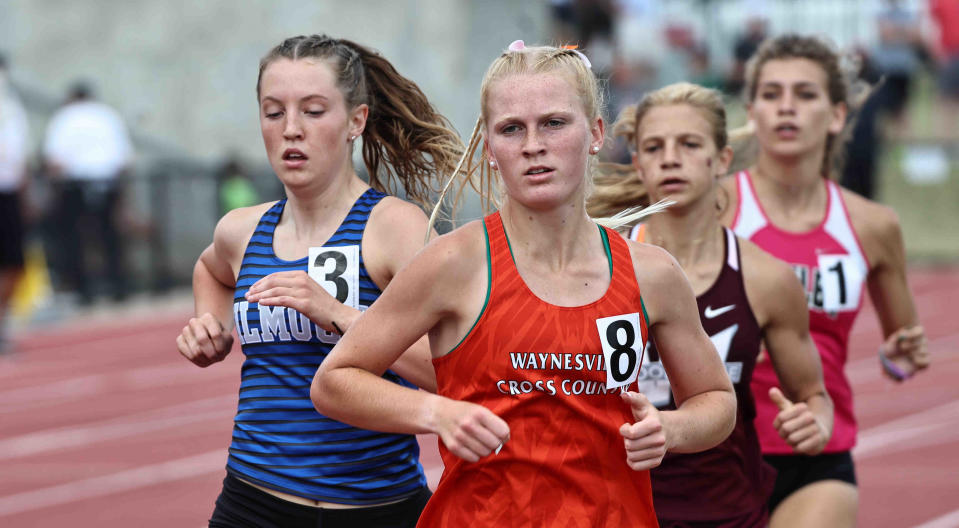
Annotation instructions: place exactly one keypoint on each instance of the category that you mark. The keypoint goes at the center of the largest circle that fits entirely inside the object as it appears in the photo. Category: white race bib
(653, 382)
(841, 282)
(337, 269)
(623, 346)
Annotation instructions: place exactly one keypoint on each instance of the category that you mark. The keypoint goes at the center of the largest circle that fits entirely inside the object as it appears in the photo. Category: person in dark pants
(14, 135)
(862, 149)
(88, 153)
(87, 208)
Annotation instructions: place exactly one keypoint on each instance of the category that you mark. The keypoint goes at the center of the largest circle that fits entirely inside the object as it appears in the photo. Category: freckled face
(676, 155)
(791, 110)
(539, 135)
(305, 123)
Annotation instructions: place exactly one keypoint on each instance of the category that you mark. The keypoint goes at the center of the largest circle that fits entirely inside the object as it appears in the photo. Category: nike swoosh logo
(709, 313)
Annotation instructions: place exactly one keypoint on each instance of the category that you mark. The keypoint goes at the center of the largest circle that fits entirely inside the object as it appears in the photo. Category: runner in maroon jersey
(678, 133)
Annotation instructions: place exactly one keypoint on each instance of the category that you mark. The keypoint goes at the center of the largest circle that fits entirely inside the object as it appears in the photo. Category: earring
(492, 165)
(594, 149)
(352, 138)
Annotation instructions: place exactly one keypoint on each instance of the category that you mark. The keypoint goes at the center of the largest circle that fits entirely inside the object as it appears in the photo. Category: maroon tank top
(731, 478)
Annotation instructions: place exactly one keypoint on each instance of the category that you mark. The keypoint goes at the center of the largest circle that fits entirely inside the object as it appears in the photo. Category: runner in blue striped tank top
(283, 348)
(292, 275)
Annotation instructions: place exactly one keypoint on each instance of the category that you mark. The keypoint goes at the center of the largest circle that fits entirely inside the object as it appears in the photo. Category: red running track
(103, 424)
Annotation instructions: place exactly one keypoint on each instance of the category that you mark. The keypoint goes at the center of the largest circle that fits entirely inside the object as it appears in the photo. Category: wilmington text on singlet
(279, 440)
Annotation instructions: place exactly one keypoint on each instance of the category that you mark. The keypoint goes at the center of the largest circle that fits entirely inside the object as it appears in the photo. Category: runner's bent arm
(424, 295)
(706, 404)
(780, 302)
(208, 336)
(881, 235)
(396, 236)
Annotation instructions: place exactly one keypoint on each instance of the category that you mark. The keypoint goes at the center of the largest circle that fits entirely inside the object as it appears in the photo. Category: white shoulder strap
(732, 249)
(749, 217)
(838, 226)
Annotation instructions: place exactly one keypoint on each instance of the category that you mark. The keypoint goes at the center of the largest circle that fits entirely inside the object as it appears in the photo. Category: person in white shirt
(87, 150)
(14, 134)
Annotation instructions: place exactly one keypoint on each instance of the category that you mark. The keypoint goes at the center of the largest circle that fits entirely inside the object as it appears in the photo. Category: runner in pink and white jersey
(839, 244)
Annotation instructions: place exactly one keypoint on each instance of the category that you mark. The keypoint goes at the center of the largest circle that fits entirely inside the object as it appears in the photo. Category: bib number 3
(622, 341)
(337, 269)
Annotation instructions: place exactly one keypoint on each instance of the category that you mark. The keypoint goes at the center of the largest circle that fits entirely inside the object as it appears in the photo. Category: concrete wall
(183, 72)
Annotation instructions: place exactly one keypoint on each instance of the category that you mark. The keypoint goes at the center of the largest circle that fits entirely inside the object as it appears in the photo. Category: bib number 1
(841, 282)
(622, 341)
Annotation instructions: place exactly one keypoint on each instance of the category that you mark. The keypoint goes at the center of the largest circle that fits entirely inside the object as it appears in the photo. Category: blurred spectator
(946, 15)
(700, 68)
(14, 134)
(744, 47)
(564, 21)
(234, 187)
(588, 24)
(628, 82)
(862, 149)
(685, 59)
(674, 65)
(87, 151)
(897, 56)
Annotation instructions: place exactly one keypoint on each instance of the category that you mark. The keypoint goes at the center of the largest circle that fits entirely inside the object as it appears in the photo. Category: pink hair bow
(519, 45)
(516, 45)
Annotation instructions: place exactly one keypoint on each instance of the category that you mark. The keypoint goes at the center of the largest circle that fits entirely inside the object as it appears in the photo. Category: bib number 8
(621, 338)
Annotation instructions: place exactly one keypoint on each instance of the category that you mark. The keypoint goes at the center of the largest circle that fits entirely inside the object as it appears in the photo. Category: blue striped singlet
(279, 440)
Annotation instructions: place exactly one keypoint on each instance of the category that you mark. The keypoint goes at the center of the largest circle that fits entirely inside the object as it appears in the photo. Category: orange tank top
(543, 369)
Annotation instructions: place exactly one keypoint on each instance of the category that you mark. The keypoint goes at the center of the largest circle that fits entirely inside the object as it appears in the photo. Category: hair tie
(580, 54)
(516, 45)
(519, 45)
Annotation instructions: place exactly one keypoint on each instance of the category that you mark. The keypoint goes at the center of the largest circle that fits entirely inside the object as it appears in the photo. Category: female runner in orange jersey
(839, 244)
(537, 329)
(746, 298)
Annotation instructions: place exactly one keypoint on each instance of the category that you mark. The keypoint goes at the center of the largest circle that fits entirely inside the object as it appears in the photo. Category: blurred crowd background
(155, 103)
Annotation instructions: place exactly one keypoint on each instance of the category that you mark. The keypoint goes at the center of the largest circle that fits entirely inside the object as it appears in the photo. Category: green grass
(929, 213)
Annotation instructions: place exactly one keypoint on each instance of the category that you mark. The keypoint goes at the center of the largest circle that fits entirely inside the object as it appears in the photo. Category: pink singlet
(832, 267)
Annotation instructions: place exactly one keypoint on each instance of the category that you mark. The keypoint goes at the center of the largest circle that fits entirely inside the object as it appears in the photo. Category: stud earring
(594, 149)
(352, 138)
(492, 164)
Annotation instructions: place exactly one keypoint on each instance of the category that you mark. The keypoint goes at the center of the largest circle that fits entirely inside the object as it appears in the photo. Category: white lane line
(120, 328)
(127, 332)
(949, 520)
(54, 393)
(123, 481)
(216, 409)
(930, 427)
